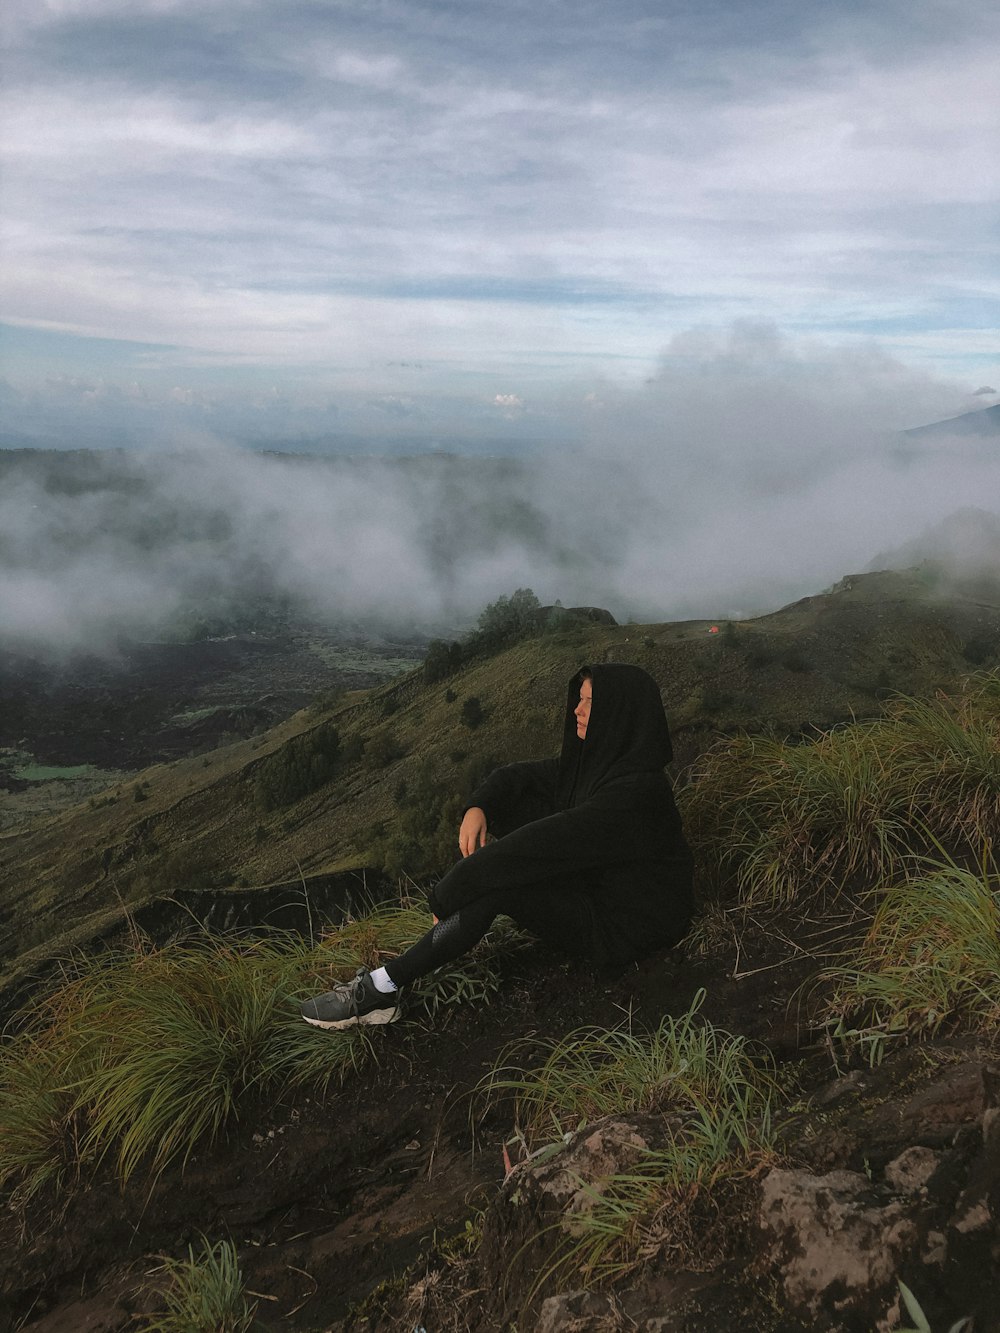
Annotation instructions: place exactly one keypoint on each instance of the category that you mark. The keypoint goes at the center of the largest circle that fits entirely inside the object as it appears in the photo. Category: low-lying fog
(740, 477)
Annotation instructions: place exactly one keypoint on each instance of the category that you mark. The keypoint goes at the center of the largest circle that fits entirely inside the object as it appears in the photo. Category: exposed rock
(958, 1097)
(551, 1191)
(978, 1206)
(836, 1241)
(935, 1248)
(597, 615)
(853, 1082)
(912, 1169)
(973, 1217)
(579, 1312)
(572, 1178)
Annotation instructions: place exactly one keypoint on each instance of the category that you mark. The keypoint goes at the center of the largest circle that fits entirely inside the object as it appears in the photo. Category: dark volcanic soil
(153, 702)
(330, 1198)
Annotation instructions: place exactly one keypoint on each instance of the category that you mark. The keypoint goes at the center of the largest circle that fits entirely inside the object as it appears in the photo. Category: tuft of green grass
(183, 1036)
(686, 1062)
(785, 819)
(931, 957)
(952, 755)
(205, 1293)
(39, 1124)
(144, 1055)
(714, 1103)
(854, 805)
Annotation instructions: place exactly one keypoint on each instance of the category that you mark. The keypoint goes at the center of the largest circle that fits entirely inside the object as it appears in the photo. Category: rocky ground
(353, 1212)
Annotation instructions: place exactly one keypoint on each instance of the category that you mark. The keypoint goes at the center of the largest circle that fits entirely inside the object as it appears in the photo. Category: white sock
(382, 981)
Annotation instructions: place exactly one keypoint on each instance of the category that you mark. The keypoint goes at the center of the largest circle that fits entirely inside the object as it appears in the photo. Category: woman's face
(582, 711)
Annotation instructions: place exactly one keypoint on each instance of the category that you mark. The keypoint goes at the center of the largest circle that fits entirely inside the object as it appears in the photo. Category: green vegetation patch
(358, 660)
(302, 765)
(930, 958)
(855, 804)
(143, 1055)
(424, 835)
(204, 1293)
(25, 768)
(707, 1090)
(51, 772)
(189, 715)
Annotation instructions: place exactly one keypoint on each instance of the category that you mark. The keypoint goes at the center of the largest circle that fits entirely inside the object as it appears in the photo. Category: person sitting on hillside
(587, 850)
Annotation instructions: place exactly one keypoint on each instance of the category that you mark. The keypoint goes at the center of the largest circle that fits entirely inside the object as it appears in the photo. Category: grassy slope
(814, 663)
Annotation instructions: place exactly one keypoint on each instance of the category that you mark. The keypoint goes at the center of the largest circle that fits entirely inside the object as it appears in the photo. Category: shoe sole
(375, 1016)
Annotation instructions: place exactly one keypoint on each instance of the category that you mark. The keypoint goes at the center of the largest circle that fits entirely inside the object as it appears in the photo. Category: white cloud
(84, 127)
(337, 188)
(749, 471)
(917, 131)
(382, 71)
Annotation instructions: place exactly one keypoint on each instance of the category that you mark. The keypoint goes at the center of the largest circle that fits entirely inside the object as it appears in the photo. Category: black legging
(564, 916)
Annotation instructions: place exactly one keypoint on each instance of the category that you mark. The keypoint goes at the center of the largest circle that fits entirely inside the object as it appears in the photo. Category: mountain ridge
(983, 421)
(198, 824)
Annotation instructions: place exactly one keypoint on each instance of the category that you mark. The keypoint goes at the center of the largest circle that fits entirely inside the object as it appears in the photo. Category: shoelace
(348, 991)
(355, 989)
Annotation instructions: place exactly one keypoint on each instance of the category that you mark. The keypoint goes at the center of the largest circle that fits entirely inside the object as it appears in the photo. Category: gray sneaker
(352, 1003)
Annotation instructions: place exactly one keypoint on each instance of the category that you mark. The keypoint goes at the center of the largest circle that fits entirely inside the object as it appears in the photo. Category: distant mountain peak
(984, 421)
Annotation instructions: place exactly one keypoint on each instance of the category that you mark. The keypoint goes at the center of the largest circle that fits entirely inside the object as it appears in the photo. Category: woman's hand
(472, 834)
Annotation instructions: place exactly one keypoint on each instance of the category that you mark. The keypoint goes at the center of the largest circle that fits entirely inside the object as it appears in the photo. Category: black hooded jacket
(601, 816)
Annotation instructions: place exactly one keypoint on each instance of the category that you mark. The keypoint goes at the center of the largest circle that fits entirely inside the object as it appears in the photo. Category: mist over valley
(154, 602)
(745, 474)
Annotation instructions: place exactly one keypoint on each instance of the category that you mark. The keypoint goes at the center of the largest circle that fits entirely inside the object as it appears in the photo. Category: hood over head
(627, 732)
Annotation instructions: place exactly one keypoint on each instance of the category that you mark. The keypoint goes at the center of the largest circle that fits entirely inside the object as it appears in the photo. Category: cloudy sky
(447, 221)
